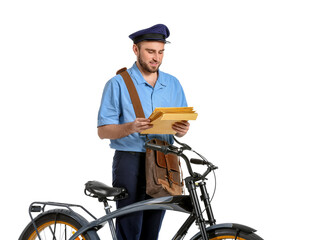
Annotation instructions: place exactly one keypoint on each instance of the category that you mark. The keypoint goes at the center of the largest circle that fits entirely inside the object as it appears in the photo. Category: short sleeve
(109, 108)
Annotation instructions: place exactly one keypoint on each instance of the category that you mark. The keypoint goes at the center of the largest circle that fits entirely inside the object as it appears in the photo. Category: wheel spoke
(57, 231)
(54, 226)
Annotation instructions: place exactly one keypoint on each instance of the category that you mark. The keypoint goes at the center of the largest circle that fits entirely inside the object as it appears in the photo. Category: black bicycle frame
(186, 203)
(189, 204)
(175, 203)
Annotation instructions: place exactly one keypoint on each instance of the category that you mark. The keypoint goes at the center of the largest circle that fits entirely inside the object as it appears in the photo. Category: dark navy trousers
(129, 172)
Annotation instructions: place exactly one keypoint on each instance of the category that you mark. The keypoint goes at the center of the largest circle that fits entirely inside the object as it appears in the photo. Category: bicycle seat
(102, 192)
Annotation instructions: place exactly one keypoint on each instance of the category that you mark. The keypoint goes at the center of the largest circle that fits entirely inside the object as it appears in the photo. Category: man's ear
(136, 49)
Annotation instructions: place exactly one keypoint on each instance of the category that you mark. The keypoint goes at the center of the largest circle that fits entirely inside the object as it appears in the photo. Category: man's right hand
(140, 124)
(115, 131)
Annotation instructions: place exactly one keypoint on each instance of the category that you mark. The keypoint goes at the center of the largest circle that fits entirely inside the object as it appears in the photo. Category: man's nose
(156, 57)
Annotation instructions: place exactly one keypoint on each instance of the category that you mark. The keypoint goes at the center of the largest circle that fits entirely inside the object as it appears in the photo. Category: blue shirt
(116, 106)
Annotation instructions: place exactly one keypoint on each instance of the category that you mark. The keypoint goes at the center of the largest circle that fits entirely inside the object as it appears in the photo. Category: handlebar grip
(156, 147)
(198, 161)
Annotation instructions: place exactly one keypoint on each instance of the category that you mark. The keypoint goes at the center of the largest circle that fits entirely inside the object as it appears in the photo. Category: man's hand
(181, 128)
(115, 131)
(140, 124)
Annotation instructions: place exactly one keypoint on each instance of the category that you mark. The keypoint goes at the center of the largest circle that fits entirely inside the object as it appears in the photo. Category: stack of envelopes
(163, 119)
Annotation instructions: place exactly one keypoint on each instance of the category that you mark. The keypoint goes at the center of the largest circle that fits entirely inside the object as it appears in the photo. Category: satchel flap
(169, 161)
(172, 162)
(160, 158)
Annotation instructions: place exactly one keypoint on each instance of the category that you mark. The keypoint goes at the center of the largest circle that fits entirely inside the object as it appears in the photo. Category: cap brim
(157, 40)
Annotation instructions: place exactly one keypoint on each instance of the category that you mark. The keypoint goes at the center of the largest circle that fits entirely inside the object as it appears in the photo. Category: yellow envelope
(164, 118)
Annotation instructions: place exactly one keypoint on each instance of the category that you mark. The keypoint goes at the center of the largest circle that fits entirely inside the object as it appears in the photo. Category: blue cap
(157, 32)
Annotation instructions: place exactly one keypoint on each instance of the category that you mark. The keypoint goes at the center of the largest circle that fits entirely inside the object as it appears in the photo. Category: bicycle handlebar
(161, 148)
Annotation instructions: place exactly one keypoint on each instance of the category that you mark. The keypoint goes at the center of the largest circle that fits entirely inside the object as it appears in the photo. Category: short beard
(146, 67)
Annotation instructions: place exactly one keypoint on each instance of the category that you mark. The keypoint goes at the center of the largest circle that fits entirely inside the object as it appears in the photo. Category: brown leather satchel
(163, 172)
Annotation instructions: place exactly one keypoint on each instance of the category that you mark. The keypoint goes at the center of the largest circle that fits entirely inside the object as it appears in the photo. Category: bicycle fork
(191, 186)
(206, 199)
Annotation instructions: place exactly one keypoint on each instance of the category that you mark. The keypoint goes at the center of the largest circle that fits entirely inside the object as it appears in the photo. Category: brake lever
(174, 150)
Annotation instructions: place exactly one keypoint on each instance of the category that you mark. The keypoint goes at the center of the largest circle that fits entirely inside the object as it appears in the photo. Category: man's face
(149, 55)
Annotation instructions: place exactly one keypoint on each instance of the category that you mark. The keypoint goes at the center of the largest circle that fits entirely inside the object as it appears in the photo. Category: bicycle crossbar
(175, 203)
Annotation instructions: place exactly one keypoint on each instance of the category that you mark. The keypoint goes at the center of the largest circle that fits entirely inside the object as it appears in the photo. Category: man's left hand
(181, 128)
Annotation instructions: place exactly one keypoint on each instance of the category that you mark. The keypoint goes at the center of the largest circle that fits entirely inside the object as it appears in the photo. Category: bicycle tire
(228, 234)
(58, 224)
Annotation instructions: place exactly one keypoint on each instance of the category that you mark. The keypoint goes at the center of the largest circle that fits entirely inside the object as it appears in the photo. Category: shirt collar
(136, 74)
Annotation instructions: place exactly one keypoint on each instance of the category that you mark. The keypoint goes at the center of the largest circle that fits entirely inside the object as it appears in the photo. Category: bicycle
(67, 224)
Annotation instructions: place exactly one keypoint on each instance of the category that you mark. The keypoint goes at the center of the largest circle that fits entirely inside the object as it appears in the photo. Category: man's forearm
(115, 131)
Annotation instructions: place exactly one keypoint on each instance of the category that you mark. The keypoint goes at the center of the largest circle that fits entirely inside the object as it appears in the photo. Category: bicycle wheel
(57, 224)
(227, 234)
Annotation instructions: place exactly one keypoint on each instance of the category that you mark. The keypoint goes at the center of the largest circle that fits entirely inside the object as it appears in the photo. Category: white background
(246, 67)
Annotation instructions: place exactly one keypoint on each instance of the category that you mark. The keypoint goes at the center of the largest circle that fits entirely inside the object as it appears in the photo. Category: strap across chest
(132, 92)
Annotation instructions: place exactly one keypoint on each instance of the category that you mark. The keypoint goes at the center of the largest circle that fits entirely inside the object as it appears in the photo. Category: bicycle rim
(58, 230)
(227, 237)
(229, 234)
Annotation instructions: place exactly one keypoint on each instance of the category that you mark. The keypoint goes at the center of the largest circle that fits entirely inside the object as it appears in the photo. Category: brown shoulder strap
(132, 92)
